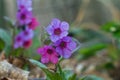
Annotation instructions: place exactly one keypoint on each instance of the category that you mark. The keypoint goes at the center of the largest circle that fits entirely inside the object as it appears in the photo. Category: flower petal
(27, 34)
(27, 44)
(40, 50)
(71, 45)
(25, 4)
(67, 39)
(59, 51)
(64, 26)
(54, 59)
(67, 53)
(50, 30)
(63, 34)
(45, 59)
(57, 43)
(24, 16)
(55, 23)
(16, 45)
(54, 38)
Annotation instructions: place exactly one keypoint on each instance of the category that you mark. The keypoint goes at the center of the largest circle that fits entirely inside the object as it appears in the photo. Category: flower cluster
(63, 45)
(26, 22)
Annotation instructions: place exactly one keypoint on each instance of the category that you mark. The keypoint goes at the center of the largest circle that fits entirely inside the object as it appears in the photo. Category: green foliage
(91, 77)
(52, 75)
(17, 52)
(85, 35)
(113, 52)
(91, 50)
(62, 74)
(5, 40)
(9, 22)
(113, 28)
(37, 63)
(31, 52)
(109, 66)
(2, 45)
(73, 77)
(49, 74)
(70, 75)
(58, 75)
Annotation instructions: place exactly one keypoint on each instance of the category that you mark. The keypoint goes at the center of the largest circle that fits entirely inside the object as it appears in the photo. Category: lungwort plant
(23, 38)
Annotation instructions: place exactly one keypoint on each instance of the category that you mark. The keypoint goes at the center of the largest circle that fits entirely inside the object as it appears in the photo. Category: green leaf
(10, 23)
(50, 75)
(91, 50)
(73, 77)
(114, 53)
(2, 45)
(61, 72)
(6, 37)
(17, 52)
(69, 74)
(91, 77)
(111, 27)
(37, 63)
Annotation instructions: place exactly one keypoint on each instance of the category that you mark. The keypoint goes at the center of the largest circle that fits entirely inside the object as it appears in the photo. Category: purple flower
(26, 22)
(27, 4)
(48, 54)
(18, 41)
(27, 34)
(57, 29)
(65, 46)
(24, 16)
(24, 39)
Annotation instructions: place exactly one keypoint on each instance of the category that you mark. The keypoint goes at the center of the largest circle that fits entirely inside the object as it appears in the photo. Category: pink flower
(27, 4)
(65, 46)
(24, 16)
(33, 24)
(27, 43)
(48, 54)
(57, 29)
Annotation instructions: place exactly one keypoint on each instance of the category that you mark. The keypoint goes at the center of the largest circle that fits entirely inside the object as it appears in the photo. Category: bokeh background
(78, 12)
(90, 22)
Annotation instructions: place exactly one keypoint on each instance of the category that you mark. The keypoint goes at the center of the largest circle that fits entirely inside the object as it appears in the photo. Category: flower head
(57, 29)
(27, 34)
(26, 23)
(27, 43)
(48, 54)
(65, 46)
(27, 4)
(18, 41)
(33, 24)
(24, 16)
(24, 39)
